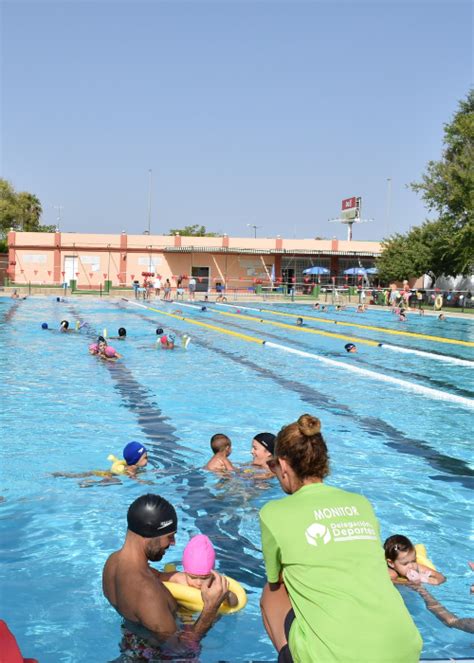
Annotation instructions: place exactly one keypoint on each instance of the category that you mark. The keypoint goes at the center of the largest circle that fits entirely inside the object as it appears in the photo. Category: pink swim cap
(199, 556)
(110, 351)
(164, 340)
(94, 347)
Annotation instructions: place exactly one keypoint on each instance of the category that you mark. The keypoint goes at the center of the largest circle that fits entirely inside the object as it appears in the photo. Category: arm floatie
(118, 465)
(190, 597)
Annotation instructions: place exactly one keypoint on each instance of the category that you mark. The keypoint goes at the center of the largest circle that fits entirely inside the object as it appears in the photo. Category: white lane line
(410, 386)
(429, 355)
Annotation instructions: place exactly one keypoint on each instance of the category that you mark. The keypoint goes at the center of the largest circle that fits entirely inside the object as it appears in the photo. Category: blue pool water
(404, 445)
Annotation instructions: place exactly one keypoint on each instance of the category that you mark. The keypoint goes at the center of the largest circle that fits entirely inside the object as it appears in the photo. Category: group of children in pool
(102, 349)
(199, 555)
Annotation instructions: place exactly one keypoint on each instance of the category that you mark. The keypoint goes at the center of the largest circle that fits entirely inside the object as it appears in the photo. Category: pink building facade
(92, 260)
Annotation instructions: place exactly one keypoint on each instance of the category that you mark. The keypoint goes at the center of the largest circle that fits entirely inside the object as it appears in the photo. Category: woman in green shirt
(328, 598)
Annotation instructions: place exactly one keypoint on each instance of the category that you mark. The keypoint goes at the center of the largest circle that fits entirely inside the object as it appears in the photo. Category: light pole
(150, 172)
(58, 220)
(252, 225)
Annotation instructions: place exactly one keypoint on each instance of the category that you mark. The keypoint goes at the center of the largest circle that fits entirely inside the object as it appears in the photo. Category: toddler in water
(135, 457)
(400, 554)
(222, 448)
(199, 558)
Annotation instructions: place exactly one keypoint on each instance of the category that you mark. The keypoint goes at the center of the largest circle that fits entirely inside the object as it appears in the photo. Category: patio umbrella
(372, 270)
(355, 271)
(316, 270)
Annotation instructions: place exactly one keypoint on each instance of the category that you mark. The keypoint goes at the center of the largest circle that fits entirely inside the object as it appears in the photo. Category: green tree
(413, 253)
(446, 244)
(447, 187)
(8, 208)
(20, 211)
(30, 211)
(193, 231)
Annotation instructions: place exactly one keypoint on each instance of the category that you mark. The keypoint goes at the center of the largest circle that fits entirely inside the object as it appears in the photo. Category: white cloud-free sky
(265, 113)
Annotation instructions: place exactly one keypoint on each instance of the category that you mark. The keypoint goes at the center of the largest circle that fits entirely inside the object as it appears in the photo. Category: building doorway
(70, 269)
(288, 278)
(201, 274)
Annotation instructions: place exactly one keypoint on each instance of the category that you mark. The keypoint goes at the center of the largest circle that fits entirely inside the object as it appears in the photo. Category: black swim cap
(151, 515)
(122, 331)
(65, 323)
(101, 339)
(159, 331)
(267, 440)
(349, 347)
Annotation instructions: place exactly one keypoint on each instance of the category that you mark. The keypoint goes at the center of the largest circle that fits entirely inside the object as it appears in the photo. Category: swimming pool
(403, 444)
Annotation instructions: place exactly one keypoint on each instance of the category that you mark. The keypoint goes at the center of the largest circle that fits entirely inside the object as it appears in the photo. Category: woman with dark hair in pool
(328, 596)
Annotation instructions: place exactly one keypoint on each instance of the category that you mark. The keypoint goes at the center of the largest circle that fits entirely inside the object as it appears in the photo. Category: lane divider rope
(385, 330)
(246, 337)
(284, 325)
(411, 386)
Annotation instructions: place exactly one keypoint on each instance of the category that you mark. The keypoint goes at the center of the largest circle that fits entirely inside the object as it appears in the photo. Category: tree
(8, 209)
(412, 253)
(20, 211)
(447, 188)
(445, 245)
(193, 231)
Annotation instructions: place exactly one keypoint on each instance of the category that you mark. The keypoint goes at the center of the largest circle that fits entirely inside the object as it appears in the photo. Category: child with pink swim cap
(199, 558)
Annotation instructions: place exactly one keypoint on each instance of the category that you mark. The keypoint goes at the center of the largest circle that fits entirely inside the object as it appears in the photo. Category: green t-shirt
(326, 542)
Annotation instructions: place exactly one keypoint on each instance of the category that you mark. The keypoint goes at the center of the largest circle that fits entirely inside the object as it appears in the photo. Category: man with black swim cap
(151, 516)
(135, 589)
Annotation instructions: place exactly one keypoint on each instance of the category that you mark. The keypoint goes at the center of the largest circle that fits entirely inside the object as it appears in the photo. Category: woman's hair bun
(309, 425)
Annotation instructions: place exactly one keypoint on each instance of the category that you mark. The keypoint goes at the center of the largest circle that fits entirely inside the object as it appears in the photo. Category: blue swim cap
(203, 308)
(44, 325)
(132, 452)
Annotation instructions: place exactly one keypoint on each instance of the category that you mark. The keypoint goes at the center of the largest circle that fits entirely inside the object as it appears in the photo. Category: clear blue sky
(265, 113)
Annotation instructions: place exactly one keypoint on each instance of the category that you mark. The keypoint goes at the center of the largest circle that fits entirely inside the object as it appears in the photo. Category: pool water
(404, 445)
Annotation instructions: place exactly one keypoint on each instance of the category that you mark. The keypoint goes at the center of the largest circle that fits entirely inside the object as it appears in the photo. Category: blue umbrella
(355, 271)
(316, 270)
(372, 270)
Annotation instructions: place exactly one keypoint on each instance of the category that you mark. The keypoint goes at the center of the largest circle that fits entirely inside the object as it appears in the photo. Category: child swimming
(135, 457)
(400, 554)
(222, 448)
(199, 558)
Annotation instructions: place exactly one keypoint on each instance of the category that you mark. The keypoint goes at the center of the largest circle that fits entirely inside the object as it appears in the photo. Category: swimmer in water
(135, 458)
(350, 347)
(107, 352)
(136, 591)
(104, 351)
(122, 334)
(167, 342)
(94, 347)
(64, 326)
(299, 322)
(263, 446)
(441, 316)
(400, 555)
(199, 558)
(222, 448)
